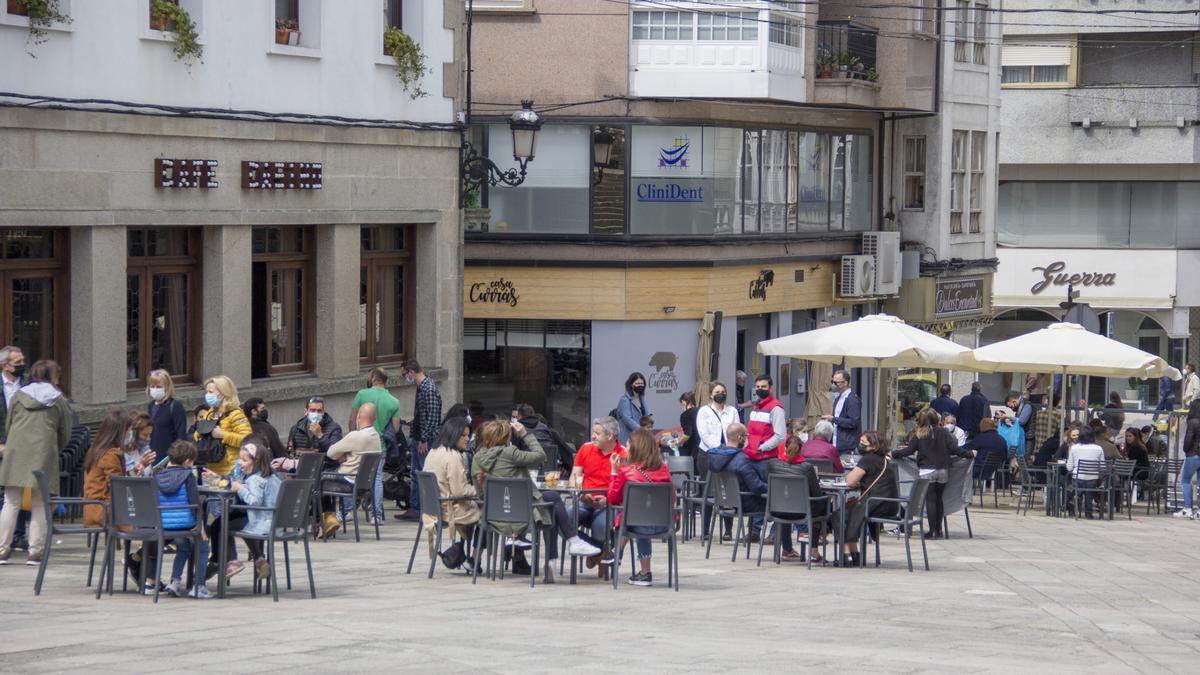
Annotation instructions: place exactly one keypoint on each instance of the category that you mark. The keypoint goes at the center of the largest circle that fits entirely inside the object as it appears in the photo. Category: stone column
(336, 327)
(438, 312)
(98, 314)
(961, 380)
(226, 313)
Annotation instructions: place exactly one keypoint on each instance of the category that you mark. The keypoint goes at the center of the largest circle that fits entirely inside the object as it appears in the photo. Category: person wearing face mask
(316, 431)
(12, 377)
(137, 441)
(632, 406)
(426, 423)
(847, 414)
(232, 426)
(766, 427)
(168, 417)
(716, 449)
(255, 410)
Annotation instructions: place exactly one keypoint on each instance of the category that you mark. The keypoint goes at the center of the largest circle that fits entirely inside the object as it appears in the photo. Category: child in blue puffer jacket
(177, 487)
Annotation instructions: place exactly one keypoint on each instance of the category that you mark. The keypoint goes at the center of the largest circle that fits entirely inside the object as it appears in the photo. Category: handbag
(455, 556)
(209, 450)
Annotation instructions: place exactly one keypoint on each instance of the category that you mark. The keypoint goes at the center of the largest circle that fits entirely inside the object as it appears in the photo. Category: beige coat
(451, 471)
(352, 447)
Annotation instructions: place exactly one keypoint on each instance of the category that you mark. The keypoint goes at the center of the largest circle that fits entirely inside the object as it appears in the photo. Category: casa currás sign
(958, 296)
(1055, 274)
(499, 291)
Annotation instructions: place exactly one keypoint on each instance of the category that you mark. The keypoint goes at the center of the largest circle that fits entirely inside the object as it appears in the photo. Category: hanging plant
(410, 60)
(175, 18)
(42, 14)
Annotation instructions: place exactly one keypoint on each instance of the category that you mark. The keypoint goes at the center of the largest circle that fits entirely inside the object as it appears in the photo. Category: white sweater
(1085, 451)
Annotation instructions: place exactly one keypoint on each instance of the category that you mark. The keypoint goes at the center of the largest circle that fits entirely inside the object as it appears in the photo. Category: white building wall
(109, 52)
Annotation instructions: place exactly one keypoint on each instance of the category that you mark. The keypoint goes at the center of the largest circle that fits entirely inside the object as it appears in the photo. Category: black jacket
(300, 439)
(934, 451)
(22, 381)
(266, 431)
(559, 453)
(972, 408)
(1191, 438)
(988, 442)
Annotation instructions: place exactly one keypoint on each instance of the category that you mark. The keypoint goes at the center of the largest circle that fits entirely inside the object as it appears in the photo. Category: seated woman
(987, 444)
(791, 463)
(104, 460)
(820, 446)
(873, 477)
(497, 456)
(1136, 450)
(645, 465)
(446, 462)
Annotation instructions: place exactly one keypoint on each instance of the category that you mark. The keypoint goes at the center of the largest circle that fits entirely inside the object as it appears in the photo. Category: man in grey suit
(847, 414)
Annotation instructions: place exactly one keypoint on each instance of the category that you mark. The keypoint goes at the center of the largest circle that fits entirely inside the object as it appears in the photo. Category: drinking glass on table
(552, 478)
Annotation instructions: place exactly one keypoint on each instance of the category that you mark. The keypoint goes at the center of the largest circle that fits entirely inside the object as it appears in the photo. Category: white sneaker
(1184, 513)
(522, 543)
(578, 547)
(172, 589)
(1196, 513)
(200, 592)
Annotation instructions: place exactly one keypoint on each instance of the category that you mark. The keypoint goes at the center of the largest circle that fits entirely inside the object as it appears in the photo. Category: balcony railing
(846, 49)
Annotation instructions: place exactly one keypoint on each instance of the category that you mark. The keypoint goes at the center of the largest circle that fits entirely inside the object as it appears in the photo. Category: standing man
(1166, 396)
(387, 413)
(767, 430)
(1191, 385)
(12, 378)
(847, 414)
(426, 423)
(944, 404)
(972, 408)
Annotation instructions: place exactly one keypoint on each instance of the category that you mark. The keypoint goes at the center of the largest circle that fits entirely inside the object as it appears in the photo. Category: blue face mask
(314, 417)
(212, 400)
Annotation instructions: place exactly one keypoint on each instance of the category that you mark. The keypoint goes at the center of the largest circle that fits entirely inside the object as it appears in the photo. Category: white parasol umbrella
(874, 341)
(1069, 349)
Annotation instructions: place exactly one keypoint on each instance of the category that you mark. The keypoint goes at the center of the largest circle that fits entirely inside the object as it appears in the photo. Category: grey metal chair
(695, 498)
(289, 522)
(1159, 485)
(54, 529)
(1030, 486)
(362, 491)
(989, 470)
(308, 467)
(912, 514)
(824, 466)
(648, 505)
(431, 506)
(791, 494)
(1122, 480)
(727, 501)
(507, 505)
(1102, 487)
(135, 506)
(682, 469)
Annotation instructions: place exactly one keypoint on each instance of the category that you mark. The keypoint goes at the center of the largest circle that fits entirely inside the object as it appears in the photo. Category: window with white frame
(298, 23)
(655, 25)
(1027, 61)
(914, 173)
(727, 26)
(978, 162)
(958, 178)
(785, 31)
(962, 19)
(981, 33)
(923, 16)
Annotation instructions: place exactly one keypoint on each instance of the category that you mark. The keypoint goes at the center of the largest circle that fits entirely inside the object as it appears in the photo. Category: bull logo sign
(758, 287)
(662, 380)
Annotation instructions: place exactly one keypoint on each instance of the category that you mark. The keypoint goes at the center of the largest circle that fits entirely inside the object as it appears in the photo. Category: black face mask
(262, 415)
(18, 371)
(719, 398)
(639, 389)
(762, 393)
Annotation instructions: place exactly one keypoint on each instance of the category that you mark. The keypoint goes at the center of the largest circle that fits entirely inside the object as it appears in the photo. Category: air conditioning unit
(858, 276)
(889, 268)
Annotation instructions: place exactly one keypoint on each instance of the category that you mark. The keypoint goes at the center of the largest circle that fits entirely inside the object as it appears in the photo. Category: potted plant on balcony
(176, 19)
(842, 61)
(824, 66)
(872, 75)
(410, 60)
(856, 68)
(42, 14)
(287, 32)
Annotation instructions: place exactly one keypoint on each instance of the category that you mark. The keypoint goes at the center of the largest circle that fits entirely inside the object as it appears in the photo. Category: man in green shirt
(387, 412)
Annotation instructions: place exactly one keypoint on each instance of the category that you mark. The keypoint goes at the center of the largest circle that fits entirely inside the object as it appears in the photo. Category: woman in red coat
(645, 465)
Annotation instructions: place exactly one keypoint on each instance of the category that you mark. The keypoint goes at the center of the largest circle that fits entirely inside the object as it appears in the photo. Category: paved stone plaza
(1027, 593)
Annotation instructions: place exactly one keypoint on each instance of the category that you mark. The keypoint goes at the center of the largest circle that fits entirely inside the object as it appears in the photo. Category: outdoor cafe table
(576, 493)
(841, 493)
(225, 497)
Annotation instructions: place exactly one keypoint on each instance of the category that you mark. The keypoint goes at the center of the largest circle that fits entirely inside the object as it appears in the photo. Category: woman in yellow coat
(232, 425)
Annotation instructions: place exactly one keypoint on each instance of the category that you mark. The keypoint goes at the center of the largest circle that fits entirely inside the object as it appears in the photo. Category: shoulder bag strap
(719, 424)
(885, 468)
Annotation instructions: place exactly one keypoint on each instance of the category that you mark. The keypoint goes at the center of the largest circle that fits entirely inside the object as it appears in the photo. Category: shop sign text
(281, 175)
(1054, 274)
(498, 291)
(758, 287)
(663, 380)
(669, 192)
(185, 173)
(958, 296)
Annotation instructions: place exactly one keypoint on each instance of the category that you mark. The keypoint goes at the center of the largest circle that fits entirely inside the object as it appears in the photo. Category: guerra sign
(1038, 277)
(1053, 274)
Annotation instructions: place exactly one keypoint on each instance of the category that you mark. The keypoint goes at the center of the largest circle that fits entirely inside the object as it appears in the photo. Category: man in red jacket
(766, 429)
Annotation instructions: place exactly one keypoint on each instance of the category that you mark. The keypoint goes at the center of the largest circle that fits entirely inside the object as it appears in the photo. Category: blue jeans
(377, 497)
(596, 518)
(1166, 404)
(183, 553)
(643, 543)
(1191, 466)
(416, 463)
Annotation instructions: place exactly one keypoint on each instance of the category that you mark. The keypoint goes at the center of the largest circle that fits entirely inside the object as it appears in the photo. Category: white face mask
(158, 393)
(803, 437)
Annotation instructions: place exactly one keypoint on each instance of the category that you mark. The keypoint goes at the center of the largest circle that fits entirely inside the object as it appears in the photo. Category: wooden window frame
(54, 268)
(306, 262)
(915, 140)
(145, 268)
(370, 260)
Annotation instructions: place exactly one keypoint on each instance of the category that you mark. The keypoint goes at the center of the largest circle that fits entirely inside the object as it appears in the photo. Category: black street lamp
(477, 169)
(602, 142)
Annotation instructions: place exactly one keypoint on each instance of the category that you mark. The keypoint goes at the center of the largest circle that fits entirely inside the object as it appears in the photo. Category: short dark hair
(452, 430)
(182, 452)
(763, 377)
(250, 404)
(1087, 435)
(1012, 396)
(633, 377)
(314, 399)
(945, 389)
(378, 374)
(976, 387)
(411, 366)
(525, 410)
(1147, 429)
(845, 375)
(688, 398)
(45, 370)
